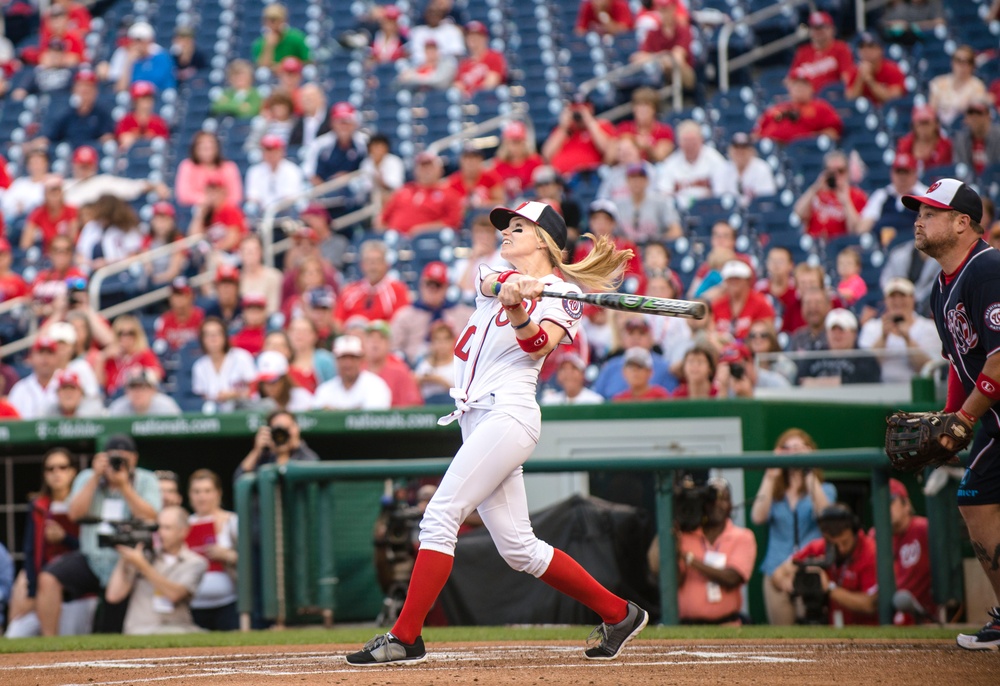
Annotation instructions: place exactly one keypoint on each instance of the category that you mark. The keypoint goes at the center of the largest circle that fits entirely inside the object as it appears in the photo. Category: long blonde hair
(601, 270)
(141, 342)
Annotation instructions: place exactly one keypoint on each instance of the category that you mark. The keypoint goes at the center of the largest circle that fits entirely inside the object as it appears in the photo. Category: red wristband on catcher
(988, 387)
(966, 416)
(535, 343)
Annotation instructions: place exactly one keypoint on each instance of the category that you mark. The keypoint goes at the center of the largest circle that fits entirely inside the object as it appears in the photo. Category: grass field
(357, 635)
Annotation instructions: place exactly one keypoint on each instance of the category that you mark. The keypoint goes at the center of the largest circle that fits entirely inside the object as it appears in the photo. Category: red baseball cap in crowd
(539, 213)
(391, 12)
(818, 19)
(67, 379)
(435, 272)
(254, 300)
(515, 131)
(343, 110)
(315, 210)
(142, 89)
(904, 161)
(477, 27)
(735, 352)
(85, 76)
(181, 285)
(272, 142)
(271, 366)
(85, 155)
(45, 343)
(292, 65)
(897, 489)
(799, 74)
(227, 272)
(164, 208)
(923, 113)
(949, 194)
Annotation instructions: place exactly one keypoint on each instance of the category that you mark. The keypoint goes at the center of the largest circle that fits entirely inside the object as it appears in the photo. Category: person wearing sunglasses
(950, 94)
(129, 349)
(978, 144)
(48, 533)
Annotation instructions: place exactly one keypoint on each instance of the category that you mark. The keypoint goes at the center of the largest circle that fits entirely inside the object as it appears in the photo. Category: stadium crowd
(333, 325)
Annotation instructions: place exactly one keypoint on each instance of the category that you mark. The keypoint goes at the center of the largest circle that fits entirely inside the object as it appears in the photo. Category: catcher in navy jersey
(965, 303)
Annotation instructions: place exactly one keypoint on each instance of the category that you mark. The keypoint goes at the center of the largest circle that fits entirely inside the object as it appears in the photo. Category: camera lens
(280, 435)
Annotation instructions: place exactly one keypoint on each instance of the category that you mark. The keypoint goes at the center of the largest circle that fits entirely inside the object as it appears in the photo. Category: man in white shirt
(908, 339)
(745, 175)
(274, 178)
(64, 334)
(693, 171)
(32, 395)
(353, 388)
(572, 379)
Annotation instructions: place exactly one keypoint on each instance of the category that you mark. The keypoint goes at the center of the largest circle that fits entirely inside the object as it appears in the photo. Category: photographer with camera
(831, 206)
(908, 339)
(802, 116)
(114, 489)
(159, 582)
(835, 576)
(714, 561)
(277, 442)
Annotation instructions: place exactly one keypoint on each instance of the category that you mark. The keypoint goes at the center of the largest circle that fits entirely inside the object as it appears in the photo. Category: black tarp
(609, 540)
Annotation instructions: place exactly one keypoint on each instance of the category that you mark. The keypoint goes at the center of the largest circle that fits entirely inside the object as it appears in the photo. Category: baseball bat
(643, 304)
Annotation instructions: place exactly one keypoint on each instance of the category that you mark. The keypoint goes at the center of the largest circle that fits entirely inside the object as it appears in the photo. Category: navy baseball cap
(536, 212)
(120, 442)
(948, 194)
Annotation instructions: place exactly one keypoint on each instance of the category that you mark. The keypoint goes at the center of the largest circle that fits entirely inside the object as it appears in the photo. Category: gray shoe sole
(635, 632)
(404, 661)
(972, 645)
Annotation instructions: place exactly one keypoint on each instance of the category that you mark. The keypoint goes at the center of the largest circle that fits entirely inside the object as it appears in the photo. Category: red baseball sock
(567, 576)
(430, 572)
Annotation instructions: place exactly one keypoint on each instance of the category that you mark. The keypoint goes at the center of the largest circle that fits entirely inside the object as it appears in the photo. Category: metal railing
(726, 65)
(676, 85)
(861, 9)
(274, 485)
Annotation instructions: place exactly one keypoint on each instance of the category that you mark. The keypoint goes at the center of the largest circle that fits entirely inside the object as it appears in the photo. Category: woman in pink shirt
(207, 164)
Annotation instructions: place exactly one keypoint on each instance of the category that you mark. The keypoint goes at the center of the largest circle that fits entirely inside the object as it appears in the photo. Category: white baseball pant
(486, 475)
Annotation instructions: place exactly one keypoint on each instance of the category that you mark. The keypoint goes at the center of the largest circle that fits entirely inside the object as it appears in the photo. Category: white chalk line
(277, 664)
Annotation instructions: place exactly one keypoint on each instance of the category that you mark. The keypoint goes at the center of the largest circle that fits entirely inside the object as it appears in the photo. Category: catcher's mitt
(913, 439)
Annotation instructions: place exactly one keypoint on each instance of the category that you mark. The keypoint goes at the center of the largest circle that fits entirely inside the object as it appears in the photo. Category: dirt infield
(645, 663)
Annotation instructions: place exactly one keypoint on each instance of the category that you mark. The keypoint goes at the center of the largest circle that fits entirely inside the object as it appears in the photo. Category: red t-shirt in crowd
(401, 382)
(757, 308)
(791, 121)
(5, 179)
(12, 286)
(682, 391)
(658, 41)
(413, 205)
(179, 333)
(78, 19)
(828, 216)
(979, 157)
(71, 39)
(887, 74)
(371, 302)
(480, 190)
(579, 151)
(517, 177)
(652, 393)
(586, 19)
(250, 339)
(787, 306)
(53, 275)
(225, 219)
(154, 128)
(659, 133)
(824, 67)
(116, 369)
(472, 73)
(303, 379)
(857, 574)
(51, 226)
(939, 155)
(911, 561)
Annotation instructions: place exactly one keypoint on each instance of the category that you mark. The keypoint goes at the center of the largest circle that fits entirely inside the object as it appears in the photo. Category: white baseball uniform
(501, 421)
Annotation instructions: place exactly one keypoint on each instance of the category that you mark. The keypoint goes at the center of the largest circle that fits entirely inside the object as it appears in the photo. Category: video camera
(807, 587)
(692, 502)
(129, 533)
